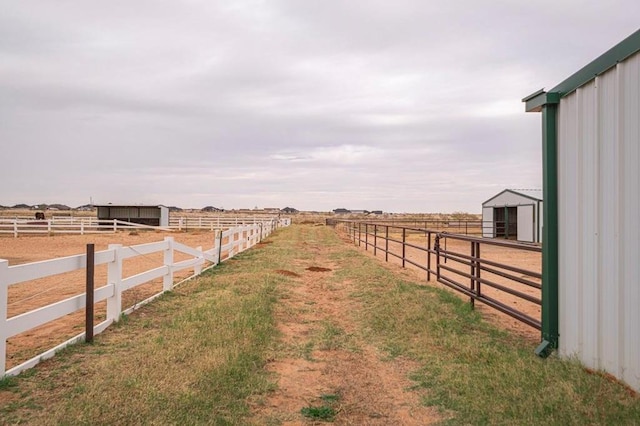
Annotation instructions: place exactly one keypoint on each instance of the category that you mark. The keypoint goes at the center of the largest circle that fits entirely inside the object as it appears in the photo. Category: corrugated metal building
(591, 253)
(513, 214)
(146, 215)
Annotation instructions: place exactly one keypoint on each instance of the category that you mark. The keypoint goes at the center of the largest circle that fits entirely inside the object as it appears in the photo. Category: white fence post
(167, 280)
(4, 298)
(81, 228)
(114, 276)
(15, 228)
(49, 226)
(198, 268)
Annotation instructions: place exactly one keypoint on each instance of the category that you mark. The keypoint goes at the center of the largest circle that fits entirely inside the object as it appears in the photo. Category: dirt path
(328, 363)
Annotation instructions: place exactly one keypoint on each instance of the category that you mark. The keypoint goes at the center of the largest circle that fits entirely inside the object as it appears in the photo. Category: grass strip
(195, 356)
(474, 372)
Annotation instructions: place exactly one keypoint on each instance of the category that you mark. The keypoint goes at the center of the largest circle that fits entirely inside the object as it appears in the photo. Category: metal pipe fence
(495, 272)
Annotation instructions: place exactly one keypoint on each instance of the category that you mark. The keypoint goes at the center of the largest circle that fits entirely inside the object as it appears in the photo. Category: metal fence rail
(459, 262)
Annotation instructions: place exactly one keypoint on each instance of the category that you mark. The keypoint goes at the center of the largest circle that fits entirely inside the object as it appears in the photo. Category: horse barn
(514, 214)
(591, 181)
(145, 215)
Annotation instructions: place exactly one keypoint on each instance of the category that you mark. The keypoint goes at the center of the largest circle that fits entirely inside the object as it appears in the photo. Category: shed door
(505, 222)
(487, 222)
(526, 224)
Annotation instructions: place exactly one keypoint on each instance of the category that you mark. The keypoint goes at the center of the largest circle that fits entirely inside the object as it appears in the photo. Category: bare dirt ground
(329, 358)
(31, 295)
(530, 261)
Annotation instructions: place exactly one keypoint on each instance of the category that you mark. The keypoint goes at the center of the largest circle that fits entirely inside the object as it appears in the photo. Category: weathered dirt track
(329, 357)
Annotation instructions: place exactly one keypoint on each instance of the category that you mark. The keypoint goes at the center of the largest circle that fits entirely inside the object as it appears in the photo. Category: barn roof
(129, 205)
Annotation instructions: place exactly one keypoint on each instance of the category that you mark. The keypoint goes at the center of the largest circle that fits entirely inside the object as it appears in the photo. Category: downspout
(547, 103)
(549, 231)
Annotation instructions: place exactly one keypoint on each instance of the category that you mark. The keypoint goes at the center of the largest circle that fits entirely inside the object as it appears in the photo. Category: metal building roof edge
(604, 62)
(601, 64)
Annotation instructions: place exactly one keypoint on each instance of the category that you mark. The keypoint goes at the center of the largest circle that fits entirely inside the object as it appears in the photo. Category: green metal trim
(533, 95)
(544, 349)
(550, 227)
(535, 102)
(610, 58)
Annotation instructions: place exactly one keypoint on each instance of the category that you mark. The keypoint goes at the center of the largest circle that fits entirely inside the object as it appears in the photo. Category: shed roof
(129, 205)
(533, 194)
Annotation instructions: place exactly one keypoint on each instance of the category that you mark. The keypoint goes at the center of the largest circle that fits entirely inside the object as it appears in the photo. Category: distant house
(360, 211)
(376, 211)
(210, 209)
(289, 210)
(341, 211)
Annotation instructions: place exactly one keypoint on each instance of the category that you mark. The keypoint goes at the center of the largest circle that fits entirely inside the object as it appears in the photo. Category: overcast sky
(403, 105)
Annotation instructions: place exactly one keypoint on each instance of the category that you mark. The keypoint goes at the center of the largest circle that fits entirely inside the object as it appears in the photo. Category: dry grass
(198, 356)
(195, 356)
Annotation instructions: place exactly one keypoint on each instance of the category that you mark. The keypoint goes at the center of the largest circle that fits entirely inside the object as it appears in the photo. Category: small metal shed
(590, 268)
(157, 215)
(513, 214)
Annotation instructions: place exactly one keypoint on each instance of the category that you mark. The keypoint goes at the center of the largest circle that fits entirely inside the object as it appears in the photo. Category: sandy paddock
(31, 295)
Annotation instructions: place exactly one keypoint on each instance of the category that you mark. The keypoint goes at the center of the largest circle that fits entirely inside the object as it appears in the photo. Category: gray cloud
(401, 106)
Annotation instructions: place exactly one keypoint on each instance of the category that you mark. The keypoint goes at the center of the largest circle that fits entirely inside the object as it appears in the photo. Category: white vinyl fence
(81, 226)
(237, 240)
(91, 225)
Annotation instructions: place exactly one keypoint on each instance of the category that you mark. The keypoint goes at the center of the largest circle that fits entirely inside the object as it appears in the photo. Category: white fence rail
(237, 240)
(217, 222)
(91, 225)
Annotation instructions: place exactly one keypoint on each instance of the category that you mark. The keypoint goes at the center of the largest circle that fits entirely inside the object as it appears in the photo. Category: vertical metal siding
(164, 216)
(526, 223)
(599, 220)
(630, 220)
(540, 221)
(149, 212)
(487, 222)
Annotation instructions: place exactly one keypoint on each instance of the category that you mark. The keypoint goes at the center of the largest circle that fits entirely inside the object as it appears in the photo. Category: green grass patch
(330, 398)
(324, 413)
(7, 383)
